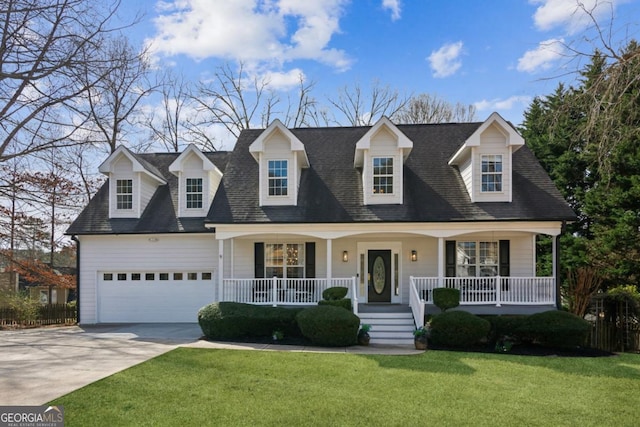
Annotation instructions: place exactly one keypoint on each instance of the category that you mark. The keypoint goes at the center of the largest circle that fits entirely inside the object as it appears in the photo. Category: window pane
(383, 175)
(192, 276)
(124, 194)
(164, 276)
(194, 193)
(107, 276)
(491, 173)
(206, 276)
(122, 276)
(150, 276)
(278, 182)
(135, 276)
(177, 276)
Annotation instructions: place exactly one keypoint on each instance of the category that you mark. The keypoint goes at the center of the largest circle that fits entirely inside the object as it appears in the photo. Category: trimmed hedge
(507, 325)
(446, 298)
(236, 320)
(334, 293)
(329, 326)
(555, 329)
(458, 329)
(344, 303)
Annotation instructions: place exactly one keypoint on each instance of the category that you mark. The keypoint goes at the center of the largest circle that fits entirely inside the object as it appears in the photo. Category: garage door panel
(155, 302)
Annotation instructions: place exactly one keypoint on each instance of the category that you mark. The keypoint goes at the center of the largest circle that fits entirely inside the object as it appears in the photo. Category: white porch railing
(416, 304)
(277, 291)
(491, 290)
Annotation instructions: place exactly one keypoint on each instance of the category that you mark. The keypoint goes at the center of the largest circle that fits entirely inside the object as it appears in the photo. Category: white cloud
(394, 7)
(445, 61)
(569, 14)
(542, 57)
(250, 30)
(502, 104)
(284, 81)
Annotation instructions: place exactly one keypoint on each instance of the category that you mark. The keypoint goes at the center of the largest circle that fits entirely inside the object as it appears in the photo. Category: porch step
(389, 328)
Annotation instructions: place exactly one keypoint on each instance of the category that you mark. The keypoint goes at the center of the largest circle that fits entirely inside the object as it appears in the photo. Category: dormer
(380, 154)
(132, 183)
(198, 181)
(485, 160)
(281, 157)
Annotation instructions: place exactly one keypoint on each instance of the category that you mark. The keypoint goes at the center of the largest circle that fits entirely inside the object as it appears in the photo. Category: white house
(389, 211)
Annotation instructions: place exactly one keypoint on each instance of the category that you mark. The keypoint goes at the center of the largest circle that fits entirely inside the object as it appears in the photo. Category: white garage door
(153, 297)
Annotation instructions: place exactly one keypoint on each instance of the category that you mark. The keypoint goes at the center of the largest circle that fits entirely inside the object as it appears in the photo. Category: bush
(222, 320)
(505, 326)
(335, 293)
(446, 298)
(458, 329)
(555, 329)
(344, 303)
(329, 326)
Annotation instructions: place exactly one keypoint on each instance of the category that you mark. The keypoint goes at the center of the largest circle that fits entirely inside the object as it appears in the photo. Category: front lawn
(199, 387)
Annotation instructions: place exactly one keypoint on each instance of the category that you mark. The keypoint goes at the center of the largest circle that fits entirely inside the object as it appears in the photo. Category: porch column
(440, 262)
(555, 262)
(329, 266)
(220, 269)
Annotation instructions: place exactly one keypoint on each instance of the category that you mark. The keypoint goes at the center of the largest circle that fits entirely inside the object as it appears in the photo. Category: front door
(379, 276)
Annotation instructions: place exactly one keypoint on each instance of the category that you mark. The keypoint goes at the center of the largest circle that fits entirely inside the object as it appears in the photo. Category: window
(284, 260)
(150, 276)
(383, 175)
(194, 193)
(107, 276)
(164, 276)
(278, 182)
(206, 276)
(192, 276)
(124, 194)
(177, 276)
(122, 276)
(492, 173)
(477, 259)
(135, 276)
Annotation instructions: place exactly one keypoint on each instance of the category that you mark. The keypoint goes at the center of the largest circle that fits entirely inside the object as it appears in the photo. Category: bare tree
(363, 108)
(121, 82)
(168, 124)
(237, 100)
(426, 108)
(43, 46)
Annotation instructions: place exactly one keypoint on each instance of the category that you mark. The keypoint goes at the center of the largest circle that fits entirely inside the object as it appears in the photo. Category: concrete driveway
(38, 365)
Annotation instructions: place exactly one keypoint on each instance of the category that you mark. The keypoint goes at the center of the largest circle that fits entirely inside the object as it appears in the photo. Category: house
(388, 211)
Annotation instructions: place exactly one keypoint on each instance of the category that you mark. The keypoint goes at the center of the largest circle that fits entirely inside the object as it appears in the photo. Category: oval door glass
(379, 274)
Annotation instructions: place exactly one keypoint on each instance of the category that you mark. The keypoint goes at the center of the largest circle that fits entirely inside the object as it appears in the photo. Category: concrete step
(389, 328)
(399, 322)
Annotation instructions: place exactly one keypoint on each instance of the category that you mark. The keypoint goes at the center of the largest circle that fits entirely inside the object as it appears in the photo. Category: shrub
(329, 326)
(458, 329)
(334, 293)
(505, 326)
(344, 303)
(555, 329)
(446, 298)
(236, 320)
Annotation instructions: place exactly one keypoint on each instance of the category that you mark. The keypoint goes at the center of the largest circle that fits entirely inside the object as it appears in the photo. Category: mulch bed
(520, 349)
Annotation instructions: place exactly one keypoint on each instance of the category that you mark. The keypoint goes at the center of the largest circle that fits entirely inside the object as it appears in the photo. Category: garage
(153, 297)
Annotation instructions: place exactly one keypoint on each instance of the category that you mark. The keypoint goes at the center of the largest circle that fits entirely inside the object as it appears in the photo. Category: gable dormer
(380, 154)
(198, 181)
(132, 183)
(485, 160)
(281, 157)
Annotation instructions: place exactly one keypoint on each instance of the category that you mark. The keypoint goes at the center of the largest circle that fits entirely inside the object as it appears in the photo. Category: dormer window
(383, 175)
(278, 182)
(491, 173)
(124, 194)
(194, 193)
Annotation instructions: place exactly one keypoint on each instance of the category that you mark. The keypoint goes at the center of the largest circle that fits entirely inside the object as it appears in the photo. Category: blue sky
(496, 55)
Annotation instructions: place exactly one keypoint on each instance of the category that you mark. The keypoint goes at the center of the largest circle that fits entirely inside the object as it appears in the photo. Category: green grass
(201, 387)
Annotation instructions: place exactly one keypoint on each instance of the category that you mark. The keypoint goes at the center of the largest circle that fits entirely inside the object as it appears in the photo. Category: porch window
(284, 260)
(383, 175)
(477, 259)
(491, 173)
(194, 193)
(124, 194)
(278, 181)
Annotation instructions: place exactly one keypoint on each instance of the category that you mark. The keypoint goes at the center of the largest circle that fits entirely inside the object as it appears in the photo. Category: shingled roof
(160, 215)
(331, 188)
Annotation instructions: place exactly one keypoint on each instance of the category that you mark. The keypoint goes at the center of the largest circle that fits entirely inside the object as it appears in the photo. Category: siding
(492, 141)
(137, 254)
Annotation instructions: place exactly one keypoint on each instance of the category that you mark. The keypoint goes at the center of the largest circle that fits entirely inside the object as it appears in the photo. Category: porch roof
(331, 188)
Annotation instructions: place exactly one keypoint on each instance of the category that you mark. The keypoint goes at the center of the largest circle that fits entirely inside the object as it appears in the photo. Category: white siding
(139, 254)
(466, 171)
(147, 187)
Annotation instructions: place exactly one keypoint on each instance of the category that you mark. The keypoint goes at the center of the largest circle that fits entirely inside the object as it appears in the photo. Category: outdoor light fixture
(153, 239)
(345, 256)
(414, 255)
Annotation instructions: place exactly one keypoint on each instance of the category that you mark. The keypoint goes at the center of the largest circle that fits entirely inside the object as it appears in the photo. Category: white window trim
(391, 175)
(501, 173)
(187, 193)
(131, 194)
(287, 177)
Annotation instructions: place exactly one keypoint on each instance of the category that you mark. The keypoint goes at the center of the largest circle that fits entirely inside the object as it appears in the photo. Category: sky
(497, 55)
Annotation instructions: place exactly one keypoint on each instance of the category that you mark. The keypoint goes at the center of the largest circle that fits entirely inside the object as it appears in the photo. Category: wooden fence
(612, 336)
(50, 314)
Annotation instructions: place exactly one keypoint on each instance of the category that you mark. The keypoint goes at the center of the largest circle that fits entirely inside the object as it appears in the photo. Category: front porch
(482, 295)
